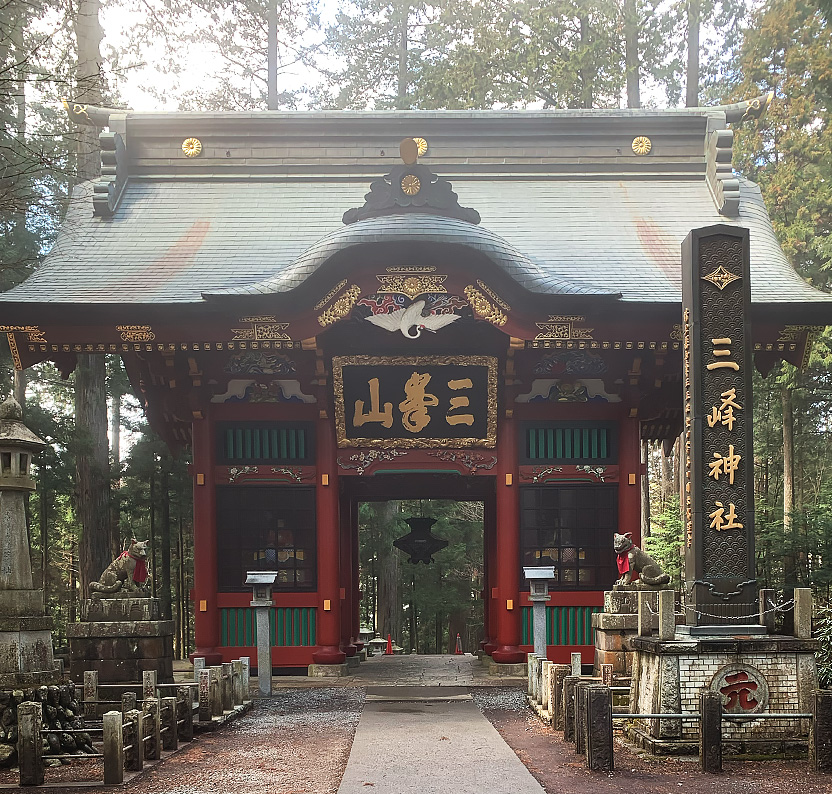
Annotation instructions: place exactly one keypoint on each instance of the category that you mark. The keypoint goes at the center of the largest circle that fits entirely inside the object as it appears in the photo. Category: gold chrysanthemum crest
(642, 145)
(422, 146)
(192, 147)
(411, 184)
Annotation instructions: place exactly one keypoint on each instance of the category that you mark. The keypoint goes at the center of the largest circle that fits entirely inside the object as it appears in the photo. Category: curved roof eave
(416, 227)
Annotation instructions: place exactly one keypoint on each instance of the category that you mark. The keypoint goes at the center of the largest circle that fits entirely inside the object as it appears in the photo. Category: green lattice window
(569, 442)
(265, 442)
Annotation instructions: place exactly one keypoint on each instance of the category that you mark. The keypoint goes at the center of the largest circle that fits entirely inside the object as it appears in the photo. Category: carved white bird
(408, 319)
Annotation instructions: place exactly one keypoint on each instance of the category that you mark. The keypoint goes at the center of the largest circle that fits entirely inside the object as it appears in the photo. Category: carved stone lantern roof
(13, 433)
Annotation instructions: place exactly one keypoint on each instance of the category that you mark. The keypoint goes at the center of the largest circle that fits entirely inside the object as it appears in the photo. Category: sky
(197, 65)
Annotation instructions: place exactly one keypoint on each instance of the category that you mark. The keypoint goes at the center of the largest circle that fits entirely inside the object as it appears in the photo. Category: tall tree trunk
(180, 587)
(271, 76)
(92, 469)
(402, 81)
(692, 72)
(666, 478)
(88, 35)
(154, 571)
(115, 494)
(585, 71)
(631, 59)
(645, 490)
(390, 619)
(788, 486)
(164, 541)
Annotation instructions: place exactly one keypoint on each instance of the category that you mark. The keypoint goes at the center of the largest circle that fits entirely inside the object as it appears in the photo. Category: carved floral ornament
(642, 145)
(192, 147)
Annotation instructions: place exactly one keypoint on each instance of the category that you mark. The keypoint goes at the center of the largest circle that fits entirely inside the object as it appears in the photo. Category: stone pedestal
(771, 673)
(617, 626)
(26, 659)
(121, 638)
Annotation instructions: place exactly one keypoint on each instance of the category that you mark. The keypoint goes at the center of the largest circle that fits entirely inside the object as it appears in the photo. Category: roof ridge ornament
(411, 187)
(719, 172)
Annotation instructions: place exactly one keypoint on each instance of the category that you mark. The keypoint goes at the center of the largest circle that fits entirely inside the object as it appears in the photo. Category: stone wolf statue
(127, 573)
(632, 559)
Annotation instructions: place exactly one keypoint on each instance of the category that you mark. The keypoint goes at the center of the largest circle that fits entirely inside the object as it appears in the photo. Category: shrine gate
(497, 319)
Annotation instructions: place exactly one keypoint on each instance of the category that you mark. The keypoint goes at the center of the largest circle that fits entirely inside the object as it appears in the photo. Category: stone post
(167, 716)
(149, 682)
(134, 747)
(803, 613)
(599, 747)
(226, 686)
(153, 746)
(215, 692)
(530, 659)
(545, 686)
(237, 683)
(90, 694)
(645, 619)
(205, 695)
(576, 663)
(581, 713)
(710, 732)
(199, 664)
(539, 627)
(246, 661)
(113, 749)
(29, 743)
(820, 737)
(264, 651)
(185, 713)
(606, 674)
(667, 614)
(570, 682)
(128, 702)
(557, 676)
(767, 615)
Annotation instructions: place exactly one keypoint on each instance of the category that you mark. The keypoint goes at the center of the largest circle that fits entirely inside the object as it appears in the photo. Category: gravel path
(560, 771)
(296, 742)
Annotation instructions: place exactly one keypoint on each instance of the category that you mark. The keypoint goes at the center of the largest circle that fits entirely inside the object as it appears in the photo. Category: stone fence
(582, 708)
(143, 727)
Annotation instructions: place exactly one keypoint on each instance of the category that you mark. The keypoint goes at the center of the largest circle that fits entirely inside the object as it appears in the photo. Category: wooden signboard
(415, 401)
(719, 496)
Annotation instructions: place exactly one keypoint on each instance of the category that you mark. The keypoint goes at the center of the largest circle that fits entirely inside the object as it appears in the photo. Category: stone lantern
(539, 578)
(25, 632)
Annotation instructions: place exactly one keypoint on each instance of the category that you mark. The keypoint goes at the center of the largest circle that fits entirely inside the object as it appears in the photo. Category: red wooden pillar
(328, 625)
(347, 592)
(508, 549)
(629, 488)
(206, 614)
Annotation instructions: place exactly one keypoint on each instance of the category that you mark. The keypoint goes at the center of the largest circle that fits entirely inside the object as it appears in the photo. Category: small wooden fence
(143, 727)
(583, 708)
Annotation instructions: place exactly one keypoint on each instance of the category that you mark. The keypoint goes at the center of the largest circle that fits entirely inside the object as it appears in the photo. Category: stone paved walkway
(430, 739)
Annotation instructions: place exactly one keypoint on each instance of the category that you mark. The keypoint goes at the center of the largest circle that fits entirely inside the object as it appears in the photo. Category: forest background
(106, 477)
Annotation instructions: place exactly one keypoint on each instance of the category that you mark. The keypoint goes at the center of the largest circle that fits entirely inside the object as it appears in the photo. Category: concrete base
(328, 670)
(353, 662)
(772, 673)
(519, 670)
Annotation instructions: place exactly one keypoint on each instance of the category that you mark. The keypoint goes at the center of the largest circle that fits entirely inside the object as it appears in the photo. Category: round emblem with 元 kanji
(744, 689)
